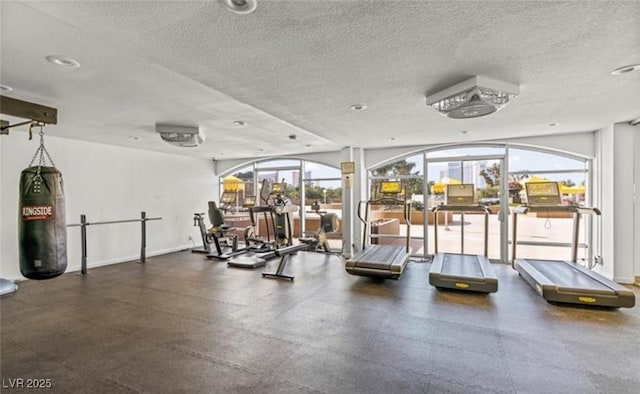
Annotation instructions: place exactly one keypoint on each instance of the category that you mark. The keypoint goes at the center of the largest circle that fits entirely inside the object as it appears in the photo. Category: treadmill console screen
(249, 202)
(390, 187)
(543, 193)
(461, 194)
(277, 188)
(228, 198)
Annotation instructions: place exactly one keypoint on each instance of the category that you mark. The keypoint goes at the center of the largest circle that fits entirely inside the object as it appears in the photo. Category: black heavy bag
(42, 232)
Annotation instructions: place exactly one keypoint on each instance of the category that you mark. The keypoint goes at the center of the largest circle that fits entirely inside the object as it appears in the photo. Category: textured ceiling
(295, 67)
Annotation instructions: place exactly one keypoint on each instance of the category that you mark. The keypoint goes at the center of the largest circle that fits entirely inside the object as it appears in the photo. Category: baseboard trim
(118, 260)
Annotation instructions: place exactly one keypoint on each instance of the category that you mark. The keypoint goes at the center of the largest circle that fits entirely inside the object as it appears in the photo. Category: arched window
(307, 183)
(498, 173)
(570, 172)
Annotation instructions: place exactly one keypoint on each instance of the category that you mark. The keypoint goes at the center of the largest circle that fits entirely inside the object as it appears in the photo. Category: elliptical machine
(276, 209)
(282, 210)
(252, 239)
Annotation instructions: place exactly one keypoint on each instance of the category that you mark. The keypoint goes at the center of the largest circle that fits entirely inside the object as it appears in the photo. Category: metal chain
(41, 134)
(33, 159)
(42, 150)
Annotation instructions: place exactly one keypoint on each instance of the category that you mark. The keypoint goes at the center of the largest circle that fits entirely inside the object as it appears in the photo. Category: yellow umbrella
(534, 179)
(231, 183)
(578, 189)
(564, 189)
(439, 186)
(575, 189)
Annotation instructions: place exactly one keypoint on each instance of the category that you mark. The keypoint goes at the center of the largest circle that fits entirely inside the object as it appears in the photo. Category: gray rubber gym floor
(181, 323)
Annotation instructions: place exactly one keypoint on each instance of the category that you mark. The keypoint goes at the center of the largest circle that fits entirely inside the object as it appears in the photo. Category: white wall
(636, 202)
(109, 183)
(604, 181)
(615, 182)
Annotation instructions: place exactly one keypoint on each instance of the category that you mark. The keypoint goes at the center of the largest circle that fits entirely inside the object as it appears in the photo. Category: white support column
(615, 185)
(348, 214)
(359, 194)
(216, 178)
(303, 199)
(636, 202)
(2, 189)
(504, 208)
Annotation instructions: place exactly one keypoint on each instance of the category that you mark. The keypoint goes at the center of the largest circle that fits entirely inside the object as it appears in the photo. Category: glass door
(465, 232)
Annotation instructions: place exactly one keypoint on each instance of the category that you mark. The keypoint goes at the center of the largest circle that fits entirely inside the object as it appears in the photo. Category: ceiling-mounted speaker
(240, 6)
(182, 136)
(472, 98)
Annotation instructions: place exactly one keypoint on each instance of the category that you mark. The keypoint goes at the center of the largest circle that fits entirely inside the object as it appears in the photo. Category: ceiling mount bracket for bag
(38, 114)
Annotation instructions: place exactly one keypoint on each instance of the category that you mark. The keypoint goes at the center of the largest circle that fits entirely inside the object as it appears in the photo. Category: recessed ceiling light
(240, 123)
(625, 69)
(133, 138)
(293, 136)
(260, 150)
(391, 138)
(63, 61)
(553, 124)
(358, 107)
(6, 88)
(308, 145)
(241, 6)
(464, 131)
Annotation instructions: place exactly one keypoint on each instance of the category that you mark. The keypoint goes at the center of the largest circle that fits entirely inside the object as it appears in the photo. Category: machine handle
(359, 212)
(520, 210)
(364, 222)
(588, 211)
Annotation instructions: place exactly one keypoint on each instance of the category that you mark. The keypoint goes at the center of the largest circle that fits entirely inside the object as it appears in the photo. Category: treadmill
(382, 261)
(458, 270)
(564, 281)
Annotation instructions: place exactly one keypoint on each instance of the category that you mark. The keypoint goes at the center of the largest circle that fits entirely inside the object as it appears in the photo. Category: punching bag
(42, 231)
